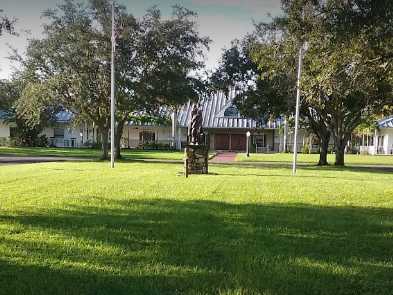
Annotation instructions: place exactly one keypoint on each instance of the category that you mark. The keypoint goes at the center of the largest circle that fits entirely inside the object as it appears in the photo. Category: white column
(285, 135)
(174, 130)
(178, 146)
(376, 142)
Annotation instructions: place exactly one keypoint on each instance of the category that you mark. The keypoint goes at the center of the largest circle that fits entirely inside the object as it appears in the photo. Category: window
(58, 132)
(13, 132)
(147, 137)
(231, 111)
(260, 140)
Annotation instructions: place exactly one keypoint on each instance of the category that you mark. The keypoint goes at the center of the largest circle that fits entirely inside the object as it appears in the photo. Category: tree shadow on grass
(197, 247)
(310, 167)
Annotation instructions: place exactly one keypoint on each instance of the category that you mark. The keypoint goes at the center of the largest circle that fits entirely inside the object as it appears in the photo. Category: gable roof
(64, 117)
(213, 114)
(386, 122)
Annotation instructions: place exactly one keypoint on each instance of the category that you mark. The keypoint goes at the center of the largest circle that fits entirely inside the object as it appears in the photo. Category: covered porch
(261, 141)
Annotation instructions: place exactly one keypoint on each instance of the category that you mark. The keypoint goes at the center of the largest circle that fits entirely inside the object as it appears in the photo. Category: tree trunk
(340, 156)
(118, 135)
(104, 143)
(340, 152)
(321, 130)
(324, 147)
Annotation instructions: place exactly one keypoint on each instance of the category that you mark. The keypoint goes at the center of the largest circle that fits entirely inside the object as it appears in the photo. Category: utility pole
(113, 88)
(299, 75)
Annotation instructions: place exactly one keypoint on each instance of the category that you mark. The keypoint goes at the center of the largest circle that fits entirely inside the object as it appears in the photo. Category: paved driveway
(224, 157)
(10, 160)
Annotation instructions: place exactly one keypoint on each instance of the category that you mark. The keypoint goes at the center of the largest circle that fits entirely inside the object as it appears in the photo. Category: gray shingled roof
(386, 122)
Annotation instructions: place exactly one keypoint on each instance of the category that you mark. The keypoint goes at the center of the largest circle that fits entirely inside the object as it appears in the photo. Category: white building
(5, 129)
(383, 137)
(225, 127)
(61, 134)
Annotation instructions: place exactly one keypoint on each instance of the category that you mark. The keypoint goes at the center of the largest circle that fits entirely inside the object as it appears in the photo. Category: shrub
(156, 146)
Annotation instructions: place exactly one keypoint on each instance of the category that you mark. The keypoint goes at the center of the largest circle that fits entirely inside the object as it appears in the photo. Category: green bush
(156, 146)
(4, 141)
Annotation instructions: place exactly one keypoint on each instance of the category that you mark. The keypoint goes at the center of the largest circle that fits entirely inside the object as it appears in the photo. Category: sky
(220, 20)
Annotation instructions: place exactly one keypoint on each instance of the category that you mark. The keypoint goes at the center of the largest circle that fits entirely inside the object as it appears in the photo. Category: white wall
(130, 136)
(77, 135)
(386, 147)
(48, 132)
(4, 130)
(301, 137)
(389, 141)
(66, 141)
(387, 144)
(164, 134)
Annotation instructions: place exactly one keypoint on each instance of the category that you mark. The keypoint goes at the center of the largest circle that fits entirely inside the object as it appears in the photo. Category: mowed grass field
(89, 153)
(142, 228)
(350, 159)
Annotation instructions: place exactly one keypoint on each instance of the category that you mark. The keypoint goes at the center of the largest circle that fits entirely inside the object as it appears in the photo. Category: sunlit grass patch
(84, 228)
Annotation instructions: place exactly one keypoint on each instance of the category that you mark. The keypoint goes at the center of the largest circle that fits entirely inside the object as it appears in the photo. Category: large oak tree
(347, 72)
(155, 58)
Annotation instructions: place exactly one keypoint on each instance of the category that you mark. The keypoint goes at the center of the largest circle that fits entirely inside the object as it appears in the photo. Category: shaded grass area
(89, 153)
(82, 228)
(350, 159)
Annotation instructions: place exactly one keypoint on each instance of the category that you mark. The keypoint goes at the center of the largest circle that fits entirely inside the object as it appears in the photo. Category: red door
(221, 141)
(238, 142)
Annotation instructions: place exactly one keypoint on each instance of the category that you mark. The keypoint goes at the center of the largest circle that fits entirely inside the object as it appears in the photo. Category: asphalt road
(11, 160)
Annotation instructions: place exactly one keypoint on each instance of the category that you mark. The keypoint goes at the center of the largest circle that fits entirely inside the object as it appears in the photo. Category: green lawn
(83, 228)
(313, 158)
(90, 153)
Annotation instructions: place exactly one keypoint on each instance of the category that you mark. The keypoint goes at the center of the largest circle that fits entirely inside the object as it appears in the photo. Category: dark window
(13, 132)
(59, 132)
(380, 140)
(260, 140)
(147, 136)
(231, 111)
(371, 140)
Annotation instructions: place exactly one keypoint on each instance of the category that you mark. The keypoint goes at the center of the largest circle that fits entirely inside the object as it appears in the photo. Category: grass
(313, 158)
(89, 153)
(83, 228)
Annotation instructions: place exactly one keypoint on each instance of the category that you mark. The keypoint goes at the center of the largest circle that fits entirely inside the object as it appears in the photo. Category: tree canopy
(7, 24)
(155, 59)
(346, 73)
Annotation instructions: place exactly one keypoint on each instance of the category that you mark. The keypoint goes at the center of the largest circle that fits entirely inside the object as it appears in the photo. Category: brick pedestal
(196, 159)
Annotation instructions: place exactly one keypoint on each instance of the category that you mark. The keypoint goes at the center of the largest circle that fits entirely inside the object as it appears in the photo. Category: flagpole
(113, 89)
(299, 75)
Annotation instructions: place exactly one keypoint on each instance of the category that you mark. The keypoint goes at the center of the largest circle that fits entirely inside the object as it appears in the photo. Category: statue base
(196, 158)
